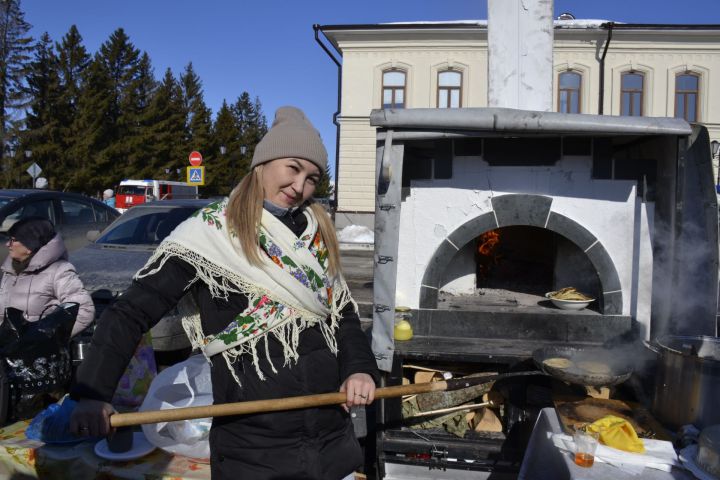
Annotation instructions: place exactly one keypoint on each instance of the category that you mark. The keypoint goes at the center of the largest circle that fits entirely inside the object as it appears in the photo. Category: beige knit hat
(291, 136)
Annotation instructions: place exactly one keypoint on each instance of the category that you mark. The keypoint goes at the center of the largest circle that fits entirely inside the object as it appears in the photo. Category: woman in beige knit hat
(273, 315)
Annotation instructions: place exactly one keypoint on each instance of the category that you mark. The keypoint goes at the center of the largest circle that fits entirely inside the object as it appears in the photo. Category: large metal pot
(687, 383)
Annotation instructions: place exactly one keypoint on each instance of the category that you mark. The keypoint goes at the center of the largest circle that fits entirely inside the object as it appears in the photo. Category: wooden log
(459, 408)
(487, 421)
(446, 399)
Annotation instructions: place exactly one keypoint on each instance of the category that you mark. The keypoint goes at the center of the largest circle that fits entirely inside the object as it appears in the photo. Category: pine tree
(72, 60)
(198, 114)
(227, 135)
(253, 126)
(259, 119)
(324, 188)
(226, 130)
(15, 53)
(257, 127)
(43, 133)
(165, 131)
(135, 113)
(95, 127)
(120, 61)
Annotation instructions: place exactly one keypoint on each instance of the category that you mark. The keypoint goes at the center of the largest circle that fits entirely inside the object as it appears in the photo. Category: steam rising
(684, 288)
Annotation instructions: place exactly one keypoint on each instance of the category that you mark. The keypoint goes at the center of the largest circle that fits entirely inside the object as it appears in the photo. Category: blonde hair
(244, 212)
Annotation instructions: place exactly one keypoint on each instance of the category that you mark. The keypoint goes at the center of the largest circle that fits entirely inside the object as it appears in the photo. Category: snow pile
(356, 234)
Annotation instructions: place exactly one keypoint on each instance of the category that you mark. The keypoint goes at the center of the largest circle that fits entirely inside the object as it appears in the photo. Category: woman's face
(288, 182)
(17, 250)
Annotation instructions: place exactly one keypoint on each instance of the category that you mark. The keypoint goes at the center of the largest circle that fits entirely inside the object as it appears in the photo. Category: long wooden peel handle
(257, 406)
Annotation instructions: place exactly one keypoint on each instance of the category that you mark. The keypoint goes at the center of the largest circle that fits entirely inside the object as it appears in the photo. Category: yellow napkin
(618, 433)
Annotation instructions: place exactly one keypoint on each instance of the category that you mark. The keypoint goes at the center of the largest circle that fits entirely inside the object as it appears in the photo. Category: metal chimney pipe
(520, 54)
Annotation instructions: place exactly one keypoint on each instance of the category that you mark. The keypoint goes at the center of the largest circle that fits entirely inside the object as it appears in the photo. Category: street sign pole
(34, 171)
(195, 172)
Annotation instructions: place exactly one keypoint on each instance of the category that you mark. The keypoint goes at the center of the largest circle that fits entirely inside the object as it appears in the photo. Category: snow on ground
(356, 234)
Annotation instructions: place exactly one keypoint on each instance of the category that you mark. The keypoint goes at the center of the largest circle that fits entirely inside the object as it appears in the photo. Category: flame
(487, 242)
(486, 246)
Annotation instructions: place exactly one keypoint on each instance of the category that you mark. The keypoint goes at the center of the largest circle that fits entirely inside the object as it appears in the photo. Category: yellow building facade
(649, 70)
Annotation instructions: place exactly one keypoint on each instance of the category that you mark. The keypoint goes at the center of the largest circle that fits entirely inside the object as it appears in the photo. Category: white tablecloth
(543, 460)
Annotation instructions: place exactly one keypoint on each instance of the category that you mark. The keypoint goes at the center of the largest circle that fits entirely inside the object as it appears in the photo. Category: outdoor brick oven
(623, 208)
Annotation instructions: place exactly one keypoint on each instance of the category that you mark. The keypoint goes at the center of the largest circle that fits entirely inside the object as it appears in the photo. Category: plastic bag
(36, 358)
(185, 384)
(52, 425)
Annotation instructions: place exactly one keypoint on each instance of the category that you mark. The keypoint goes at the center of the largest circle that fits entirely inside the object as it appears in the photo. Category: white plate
(568, 304)
(140, 448)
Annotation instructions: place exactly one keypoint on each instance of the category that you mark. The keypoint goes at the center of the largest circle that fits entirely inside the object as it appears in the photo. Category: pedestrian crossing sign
(195, 176)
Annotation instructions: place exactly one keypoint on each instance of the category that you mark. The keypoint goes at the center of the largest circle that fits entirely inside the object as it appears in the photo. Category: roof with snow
(574, 24)
(588, 23)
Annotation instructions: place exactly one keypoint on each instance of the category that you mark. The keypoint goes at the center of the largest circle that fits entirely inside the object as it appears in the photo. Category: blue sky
(267, 48)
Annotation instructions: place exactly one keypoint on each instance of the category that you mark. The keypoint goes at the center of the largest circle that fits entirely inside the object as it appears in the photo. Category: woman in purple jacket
(37, 275)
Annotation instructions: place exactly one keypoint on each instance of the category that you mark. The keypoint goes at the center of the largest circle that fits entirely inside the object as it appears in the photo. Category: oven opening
(516, 266)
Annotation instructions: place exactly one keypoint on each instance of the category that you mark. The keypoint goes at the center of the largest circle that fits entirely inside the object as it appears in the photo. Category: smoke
(685, 289)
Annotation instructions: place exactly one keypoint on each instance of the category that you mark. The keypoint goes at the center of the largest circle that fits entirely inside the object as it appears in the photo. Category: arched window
(393, 89)
(632, 85)
(449, 89)
(687, 89)
(569, 92)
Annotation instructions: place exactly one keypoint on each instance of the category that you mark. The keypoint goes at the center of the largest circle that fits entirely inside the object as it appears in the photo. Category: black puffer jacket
(315, 443)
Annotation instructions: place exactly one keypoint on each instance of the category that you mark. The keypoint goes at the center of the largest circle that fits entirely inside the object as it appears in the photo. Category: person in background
(109, 197)
(37, 275)
(274, 317)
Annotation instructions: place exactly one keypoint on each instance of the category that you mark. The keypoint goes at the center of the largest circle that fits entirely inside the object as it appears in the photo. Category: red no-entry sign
(195, 159)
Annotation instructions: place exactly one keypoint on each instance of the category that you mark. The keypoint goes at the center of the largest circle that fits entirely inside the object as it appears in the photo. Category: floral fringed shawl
(290, 292)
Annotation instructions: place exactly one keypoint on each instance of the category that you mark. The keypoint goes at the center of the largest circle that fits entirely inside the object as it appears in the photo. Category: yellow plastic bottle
(403, 329)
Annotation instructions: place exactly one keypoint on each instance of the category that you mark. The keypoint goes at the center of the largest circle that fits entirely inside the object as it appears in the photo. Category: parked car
(72, 214)
(108, 265)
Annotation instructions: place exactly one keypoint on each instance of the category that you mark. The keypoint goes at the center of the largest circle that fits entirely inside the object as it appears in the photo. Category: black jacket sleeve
(354, 353)
(123, 324)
